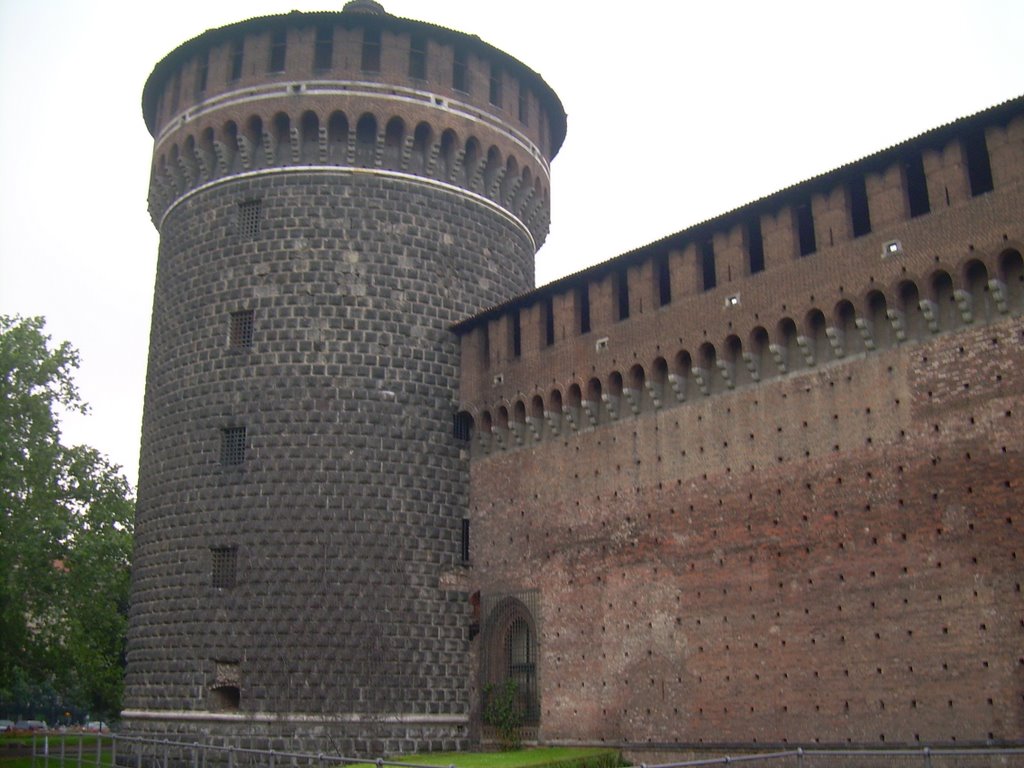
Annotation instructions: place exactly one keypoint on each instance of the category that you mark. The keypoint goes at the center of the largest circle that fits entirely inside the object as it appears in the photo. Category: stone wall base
(351, 735)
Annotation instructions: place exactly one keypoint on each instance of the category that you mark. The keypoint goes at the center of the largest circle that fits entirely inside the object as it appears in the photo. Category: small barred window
(249, 218)
(462, 425)
(240, 335)
(232, 445)
(224, 563)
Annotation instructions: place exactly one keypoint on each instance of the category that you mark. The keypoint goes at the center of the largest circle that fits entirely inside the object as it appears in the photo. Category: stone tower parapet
(357, 90)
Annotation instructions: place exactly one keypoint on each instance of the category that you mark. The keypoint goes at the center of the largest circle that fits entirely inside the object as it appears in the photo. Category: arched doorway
(509, 652)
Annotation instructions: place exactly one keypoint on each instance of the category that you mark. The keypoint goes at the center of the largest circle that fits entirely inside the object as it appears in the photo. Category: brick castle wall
(816, 559)
(763, 496)
(754, 483)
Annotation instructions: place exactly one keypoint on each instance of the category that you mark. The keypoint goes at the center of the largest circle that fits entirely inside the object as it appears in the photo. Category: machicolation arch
(909, 311)
(310, 138)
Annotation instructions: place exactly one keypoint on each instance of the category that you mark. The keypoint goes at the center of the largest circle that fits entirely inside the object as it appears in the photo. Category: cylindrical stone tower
(332, 192)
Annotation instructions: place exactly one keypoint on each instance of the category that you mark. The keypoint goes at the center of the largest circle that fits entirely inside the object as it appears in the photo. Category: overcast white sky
(677, 111)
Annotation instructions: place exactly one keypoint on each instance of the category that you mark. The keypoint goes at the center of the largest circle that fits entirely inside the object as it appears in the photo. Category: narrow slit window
(232, 446)
(237, 54)
(917, 186)
(465, 541)
(371, 50)
(249, 218)
(583, 301)
(549, 321)
(524, 104)
(621, 283)
(755, 246)
(323, 49)
(460, 71)
(278, 47)
(495, 86)
(175, 91)
(805, 229)
(418, 57)
(979, 167)
(202, 73)
(707, 265)
(860, 216)
(240, 334)
(224, 566)
(517, 338)
(664, 277)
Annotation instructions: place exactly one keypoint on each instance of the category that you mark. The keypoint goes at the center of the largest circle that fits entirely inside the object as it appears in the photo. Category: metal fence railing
(113, 751)
(926, 757)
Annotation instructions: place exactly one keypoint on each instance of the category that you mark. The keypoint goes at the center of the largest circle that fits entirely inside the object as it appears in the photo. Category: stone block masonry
(345, 397)
(331, 199)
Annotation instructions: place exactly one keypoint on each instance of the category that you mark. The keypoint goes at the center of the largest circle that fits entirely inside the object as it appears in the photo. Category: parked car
(97, 726)
(6, 725)
(30, 725)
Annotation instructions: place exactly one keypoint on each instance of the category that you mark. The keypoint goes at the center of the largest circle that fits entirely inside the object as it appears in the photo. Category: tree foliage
(65, 538)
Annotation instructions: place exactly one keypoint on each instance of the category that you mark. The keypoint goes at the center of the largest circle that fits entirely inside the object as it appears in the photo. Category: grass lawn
(16, 751)
(537, 757)
(14, 756)
(54, 738)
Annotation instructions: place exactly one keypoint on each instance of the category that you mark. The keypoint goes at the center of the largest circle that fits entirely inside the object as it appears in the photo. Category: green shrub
(503, 713)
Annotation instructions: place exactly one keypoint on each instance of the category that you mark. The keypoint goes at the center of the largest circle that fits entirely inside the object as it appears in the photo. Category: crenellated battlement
(761, 478)
(846, 264)
(353, 90)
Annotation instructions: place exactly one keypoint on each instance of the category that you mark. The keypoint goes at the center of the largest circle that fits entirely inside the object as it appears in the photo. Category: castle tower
(333, 191)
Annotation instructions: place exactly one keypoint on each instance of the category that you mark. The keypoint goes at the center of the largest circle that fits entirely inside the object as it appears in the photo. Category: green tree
(65, 536)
